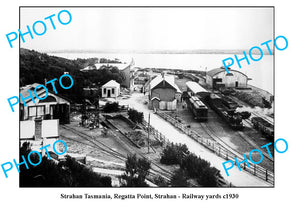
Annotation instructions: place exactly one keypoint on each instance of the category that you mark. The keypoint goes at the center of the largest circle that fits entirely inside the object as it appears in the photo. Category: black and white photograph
(144, 97)
(149, 106)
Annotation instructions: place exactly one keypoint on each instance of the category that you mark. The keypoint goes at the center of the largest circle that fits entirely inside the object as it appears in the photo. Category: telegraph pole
(149, 133)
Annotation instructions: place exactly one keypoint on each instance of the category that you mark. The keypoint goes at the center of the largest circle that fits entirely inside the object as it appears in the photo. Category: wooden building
(53, 107)
(218, 77)
(111, 89)
(164, 93)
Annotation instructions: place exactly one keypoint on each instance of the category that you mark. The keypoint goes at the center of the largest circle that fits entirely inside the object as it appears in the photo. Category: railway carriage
(198, 108)
(194, 88)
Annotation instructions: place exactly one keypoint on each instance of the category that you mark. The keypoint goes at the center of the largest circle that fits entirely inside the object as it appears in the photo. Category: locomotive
(226, 111)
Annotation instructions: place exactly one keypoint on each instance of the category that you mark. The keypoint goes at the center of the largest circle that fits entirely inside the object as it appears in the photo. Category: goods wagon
(263, 126)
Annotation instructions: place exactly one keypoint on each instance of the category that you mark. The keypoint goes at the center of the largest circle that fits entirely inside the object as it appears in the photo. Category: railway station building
(217, 78)
(164, 93)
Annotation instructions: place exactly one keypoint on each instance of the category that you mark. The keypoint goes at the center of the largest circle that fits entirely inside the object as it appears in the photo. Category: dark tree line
(38, 67)
(191, 167)
(69, 173)
(135, 116)
(137, 169)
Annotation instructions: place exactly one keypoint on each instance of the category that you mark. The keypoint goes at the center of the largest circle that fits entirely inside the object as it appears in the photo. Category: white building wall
(105, 92)
(228, 80)
(209, 80)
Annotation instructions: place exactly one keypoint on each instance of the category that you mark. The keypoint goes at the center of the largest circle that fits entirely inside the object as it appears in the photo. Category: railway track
(217, 139)
(122, 140)
(248, 140)
(98, 144)
(271, 121)
(157, 170)
(248, 122)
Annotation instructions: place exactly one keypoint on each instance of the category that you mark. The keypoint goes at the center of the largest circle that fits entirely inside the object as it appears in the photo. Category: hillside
(38, 67)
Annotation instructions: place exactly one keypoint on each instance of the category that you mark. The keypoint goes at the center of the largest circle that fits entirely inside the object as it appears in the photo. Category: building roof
(89, 88)
(170, 79)
(197, 103)
(195, 87)
(215, 71)
(111, 83)
(24, 92)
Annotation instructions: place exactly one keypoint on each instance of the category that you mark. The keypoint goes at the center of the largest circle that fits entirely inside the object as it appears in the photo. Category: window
(104, 90)
(39, 111)
(36, 111)
(32, 111)
(113, 91)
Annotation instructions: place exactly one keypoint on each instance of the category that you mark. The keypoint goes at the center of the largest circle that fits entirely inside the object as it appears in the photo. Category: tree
(48, 173)
(179, 178)
(111, 107)
(136, 171)
(201, 170)
(160, 181)
(209, 177)
(35, 67)
(191, 166)
(174, 154)
(135, 116)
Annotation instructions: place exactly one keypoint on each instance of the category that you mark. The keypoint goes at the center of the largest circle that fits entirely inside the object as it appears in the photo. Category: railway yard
(215, 128)
(106, 149)
(109, 151)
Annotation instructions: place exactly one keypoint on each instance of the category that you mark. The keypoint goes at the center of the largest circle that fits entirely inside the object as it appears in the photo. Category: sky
(139, 29)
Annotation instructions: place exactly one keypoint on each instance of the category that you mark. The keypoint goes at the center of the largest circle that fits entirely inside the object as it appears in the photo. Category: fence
(158, 135)
(220, 150)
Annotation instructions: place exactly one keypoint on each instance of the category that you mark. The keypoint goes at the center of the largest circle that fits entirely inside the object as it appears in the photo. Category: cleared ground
(109, 151)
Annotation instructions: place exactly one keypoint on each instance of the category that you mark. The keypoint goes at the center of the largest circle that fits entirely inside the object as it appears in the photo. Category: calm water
(261, 72)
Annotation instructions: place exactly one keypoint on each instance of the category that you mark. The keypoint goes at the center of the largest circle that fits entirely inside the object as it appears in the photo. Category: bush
(64, 174)
(136, 172)
(111, 107)
(160, 181)
(135, 116)
(179, 178)
(191, 166)
(209, 177)
(201, 170)
(174, 154)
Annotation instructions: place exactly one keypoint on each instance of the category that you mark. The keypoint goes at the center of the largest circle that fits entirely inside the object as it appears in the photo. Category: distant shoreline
(200, 51)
